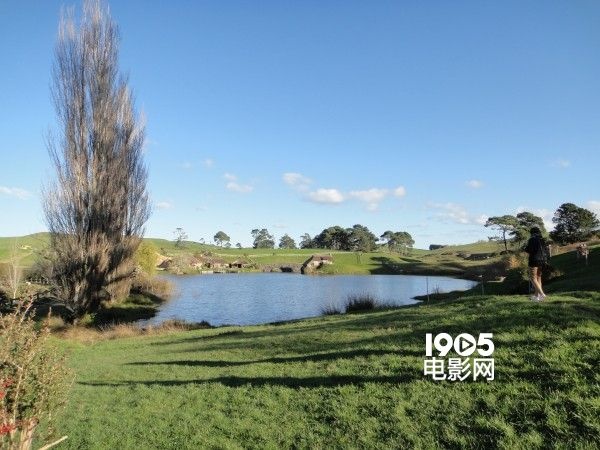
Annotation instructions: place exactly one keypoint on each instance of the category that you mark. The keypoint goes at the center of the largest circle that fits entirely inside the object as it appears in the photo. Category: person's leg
(533, 275)
(539, 275)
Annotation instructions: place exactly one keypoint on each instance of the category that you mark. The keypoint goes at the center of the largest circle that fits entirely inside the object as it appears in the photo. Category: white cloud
(164, 205)
(19, 193)
(297, 180)
(561, 163)
(186, 165)
(372, 197)
(328, 196)
(474, 184)
(594, 206)
(208, 163)
(400, 191)
(456, 213)
(240, 188)
(234, 186)
(280, 225)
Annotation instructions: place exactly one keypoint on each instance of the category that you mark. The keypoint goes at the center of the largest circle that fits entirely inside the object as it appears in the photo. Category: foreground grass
(346, 381)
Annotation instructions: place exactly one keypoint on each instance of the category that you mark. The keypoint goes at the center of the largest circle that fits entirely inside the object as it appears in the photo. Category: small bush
(34, 380)
(330, 310)
(363, 302)
(514, 261)
(146, 257)
(157, 286)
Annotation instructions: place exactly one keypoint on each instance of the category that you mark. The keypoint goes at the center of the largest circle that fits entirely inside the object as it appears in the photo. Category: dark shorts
(536, 263)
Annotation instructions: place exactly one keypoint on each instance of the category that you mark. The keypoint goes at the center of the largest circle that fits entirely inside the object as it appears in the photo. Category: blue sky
(425, 117)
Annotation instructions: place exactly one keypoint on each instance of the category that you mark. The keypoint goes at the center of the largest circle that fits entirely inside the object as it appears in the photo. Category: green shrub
(146, 257)
(34, 380)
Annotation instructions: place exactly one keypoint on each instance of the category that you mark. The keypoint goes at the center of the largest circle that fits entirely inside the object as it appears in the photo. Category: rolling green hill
(442, 261)
(470, 260)
(27, 247)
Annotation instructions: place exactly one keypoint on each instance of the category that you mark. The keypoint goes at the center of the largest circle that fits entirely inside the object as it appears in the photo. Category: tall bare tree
(98, 205)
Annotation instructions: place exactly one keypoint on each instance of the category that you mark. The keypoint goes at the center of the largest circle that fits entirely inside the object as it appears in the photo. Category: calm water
(248, 299)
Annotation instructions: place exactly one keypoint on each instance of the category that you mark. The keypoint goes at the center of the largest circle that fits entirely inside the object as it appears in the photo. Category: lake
(256, 298)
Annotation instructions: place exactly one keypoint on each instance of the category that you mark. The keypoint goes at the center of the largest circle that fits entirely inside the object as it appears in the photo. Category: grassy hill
(27, 247)
(458, 260)
(351, 381)
(444, 261)
(575, 274)
(565, 273)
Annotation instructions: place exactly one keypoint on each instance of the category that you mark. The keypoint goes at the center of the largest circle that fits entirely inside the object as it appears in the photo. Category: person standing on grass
(538, 257)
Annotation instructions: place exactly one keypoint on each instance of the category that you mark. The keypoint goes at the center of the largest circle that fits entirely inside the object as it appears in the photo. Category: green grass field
(350, 381)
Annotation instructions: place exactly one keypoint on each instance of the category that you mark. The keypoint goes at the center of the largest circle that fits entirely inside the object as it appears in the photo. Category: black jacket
(537, 249)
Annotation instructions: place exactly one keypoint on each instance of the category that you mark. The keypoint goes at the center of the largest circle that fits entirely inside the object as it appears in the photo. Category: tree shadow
(349, 354)
(139, 306)
(388, 266)
(289, 382)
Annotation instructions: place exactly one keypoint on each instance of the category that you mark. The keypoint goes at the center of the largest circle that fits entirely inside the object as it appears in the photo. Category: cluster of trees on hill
(515, 228)
(572, 224)
(357, 238)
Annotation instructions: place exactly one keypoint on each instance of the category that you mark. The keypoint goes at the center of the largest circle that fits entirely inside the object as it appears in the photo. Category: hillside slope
(443, 261)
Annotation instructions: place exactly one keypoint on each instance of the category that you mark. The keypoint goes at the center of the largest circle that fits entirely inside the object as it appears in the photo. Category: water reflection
(247, 299)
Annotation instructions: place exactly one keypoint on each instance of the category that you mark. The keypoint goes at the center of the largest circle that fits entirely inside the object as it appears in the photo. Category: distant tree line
(572, 224)
(358, 238)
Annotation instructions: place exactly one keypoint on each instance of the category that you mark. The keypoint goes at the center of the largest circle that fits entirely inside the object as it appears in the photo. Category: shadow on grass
(136, 307)
(389, 266)
(290, 382)
(275, 360)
